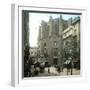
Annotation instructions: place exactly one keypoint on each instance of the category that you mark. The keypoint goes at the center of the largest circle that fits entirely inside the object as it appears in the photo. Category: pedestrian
(32, 70)
(48, 70)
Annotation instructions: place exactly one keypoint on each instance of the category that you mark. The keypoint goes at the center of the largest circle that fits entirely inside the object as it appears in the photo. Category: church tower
(61, 41)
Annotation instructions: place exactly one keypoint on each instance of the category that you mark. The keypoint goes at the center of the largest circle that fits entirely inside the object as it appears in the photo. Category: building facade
(25, 41)
(71, 39)
(33, 53)
(50, 43)
(25, 28)
(53, 36)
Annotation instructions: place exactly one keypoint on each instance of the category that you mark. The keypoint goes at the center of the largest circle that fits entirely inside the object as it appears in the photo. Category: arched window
(45, 44)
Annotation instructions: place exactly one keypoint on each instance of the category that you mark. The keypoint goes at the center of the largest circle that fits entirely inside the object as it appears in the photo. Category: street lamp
(71, 60)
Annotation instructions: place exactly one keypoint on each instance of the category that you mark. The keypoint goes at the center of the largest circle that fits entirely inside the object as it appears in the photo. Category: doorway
(55, 61)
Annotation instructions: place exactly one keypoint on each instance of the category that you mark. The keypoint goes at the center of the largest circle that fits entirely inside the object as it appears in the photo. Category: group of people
(32, 68)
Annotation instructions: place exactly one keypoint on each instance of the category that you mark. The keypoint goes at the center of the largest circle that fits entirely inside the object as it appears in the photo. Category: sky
(35, 21)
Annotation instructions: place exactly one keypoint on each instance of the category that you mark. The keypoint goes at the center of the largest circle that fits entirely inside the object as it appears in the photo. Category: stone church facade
(50, 43)
(51, 40)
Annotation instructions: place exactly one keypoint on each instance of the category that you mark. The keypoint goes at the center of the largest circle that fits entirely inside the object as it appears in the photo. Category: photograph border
(16, 43)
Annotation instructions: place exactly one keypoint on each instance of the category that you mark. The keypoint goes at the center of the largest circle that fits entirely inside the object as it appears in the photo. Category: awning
(67, 62)
(55, 56)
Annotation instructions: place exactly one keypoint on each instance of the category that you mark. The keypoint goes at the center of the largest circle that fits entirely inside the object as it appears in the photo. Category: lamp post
(68, 61)
(71, 67)
(71, 60)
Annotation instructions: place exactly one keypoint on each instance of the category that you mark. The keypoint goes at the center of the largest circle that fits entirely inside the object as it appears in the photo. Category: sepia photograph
(51, 43)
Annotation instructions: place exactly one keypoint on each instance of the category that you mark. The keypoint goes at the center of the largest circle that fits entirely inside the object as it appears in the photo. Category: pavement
(53, 72)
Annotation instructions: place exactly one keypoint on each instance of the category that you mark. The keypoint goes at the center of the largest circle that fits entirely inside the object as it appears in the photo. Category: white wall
(5, 42)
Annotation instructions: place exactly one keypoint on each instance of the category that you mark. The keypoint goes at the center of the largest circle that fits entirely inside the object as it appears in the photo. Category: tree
(72, 50)
(67, 52)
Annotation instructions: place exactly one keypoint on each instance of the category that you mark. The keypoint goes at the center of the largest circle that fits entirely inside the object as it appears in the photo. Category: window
(44, 44)
(48, 27)
(31, 53)
(55, 51)
(75, 31)
(55, 43)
